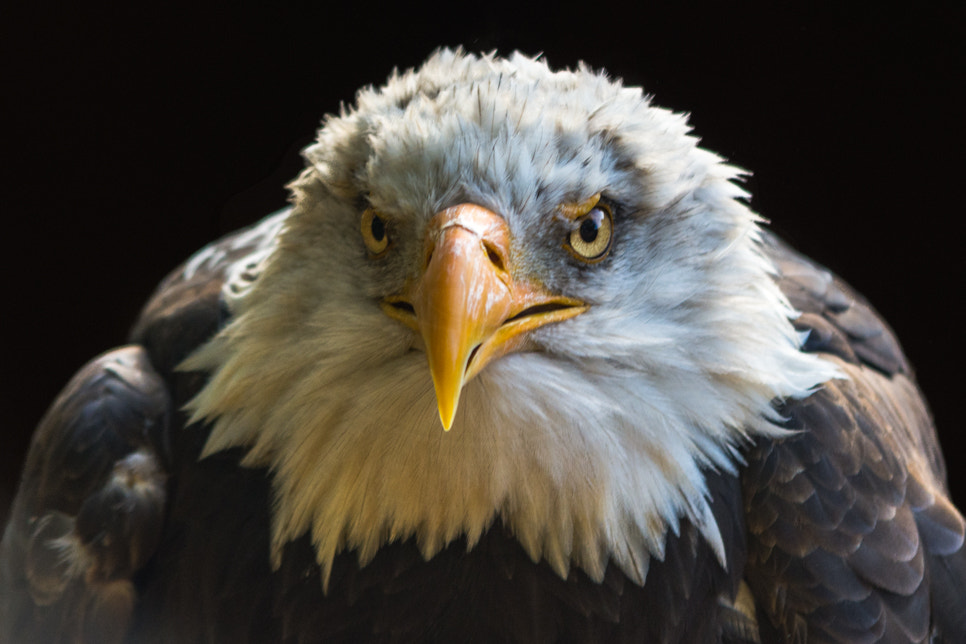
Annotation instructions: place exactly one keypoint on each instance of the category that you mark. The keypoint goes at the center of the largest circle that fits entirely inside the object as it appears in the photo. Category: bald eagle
(518, 364)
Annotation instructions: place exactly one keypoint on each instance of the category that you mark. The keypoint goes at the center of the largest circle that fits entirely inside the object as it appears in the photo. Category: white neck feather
(584, 460)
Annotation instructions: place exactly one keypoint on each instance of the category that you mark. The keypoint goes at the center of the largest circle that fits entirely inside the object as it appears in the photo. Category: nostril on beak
(496, 258)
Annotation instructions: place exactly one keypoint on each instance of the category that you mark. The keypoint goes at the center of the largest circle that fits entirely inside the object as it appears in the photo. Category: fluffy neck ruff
(584, 460)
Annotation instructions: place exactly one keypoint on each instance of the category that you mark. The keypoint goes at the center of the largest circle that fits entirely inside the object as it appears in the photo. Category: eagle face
(543, 264)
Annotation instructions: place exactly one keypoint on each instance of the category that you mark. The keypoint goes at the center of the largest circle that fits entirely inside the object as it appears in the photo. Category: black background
(133, 136)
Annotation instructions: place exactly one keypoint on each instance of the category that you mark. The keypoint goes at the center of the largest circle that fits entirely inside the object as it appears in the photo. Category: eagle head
(544, 264)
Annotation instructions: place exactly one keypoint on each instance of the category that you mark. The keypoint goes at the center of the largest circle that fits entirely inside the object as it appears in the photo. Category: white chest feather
(584, 460)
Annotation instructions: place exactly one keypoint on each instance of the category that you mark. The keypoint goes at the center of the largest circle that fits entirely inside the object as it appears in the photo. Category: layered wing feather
(90, 507)
(91, 510)
(852, 536)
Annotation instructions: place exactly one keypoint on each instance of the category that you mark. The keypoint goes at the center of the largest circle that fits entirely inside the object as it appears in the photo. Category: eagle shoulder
(839, 320)
(194, 301)
(851, 530)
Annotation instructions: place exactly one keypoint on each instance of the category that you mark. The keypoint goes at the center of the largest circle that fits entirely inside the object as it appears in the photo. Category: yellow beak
(467, 304)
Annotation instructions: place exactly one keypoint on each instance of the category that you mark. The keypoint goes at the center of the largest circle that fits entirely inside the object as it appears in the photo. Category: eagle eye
(375, 233)
(590, 237)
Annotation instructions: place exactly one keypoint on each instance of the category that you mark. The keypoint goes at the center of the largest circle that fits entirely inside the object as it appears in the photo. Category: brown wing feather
(188, 306)
(89, 510)
(848, 518)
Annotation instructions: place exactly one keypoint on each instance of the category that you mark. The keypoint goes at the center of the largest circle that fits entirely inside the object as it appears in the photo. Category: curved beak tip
(447, 417)
(447, 397)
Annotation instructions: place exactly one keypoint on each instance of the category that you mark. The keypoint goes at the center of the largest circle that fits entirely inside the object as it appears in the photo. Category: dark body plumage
(818, 540)
(135, 523)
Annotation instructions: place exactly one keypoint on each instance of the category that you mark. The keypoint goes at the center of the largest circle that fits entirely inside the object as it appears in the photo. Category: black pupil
(589, 229)
(378, 229)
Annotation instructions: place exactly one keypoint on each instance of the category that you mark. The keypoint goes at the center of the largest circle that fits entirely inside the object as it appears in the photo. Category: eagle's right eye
(375, 233)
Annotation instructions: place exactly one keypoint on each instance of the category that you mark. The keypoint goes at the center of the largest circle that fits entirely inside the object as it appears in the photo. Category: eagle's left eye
(591, 236)
(375, 232)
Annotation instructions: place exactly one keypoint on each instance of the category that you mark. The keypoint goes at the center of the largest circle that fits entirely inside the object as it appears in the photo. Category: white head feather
(590, 447)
